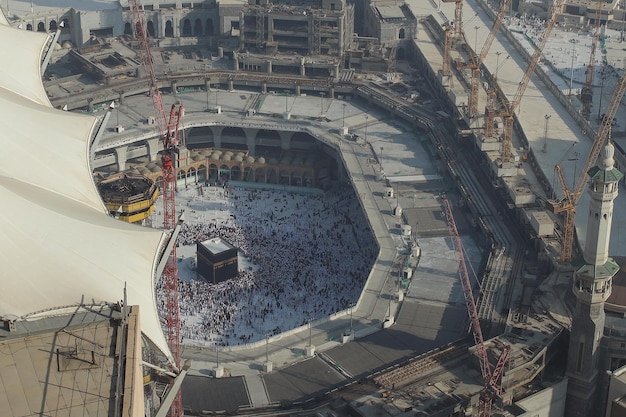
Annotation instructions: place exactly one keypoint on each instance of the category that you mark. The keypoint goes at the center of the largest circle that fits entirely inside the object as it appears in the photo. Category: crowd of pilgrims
(309, 254)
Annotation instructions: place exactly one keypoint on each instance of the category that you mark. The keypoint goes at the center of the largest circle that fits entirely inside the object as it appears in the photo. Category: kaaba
(217, 260)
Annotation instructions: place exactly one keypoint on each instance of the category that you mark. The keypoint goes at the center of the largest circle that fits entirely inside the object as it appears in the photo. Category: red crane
(168, 131)
(492, 387)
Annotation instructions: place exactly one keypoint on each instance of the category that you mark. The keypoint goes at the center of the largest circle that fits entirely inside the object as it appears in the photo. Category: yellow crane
(509, 107)
(586, 93)
(475, 64)
(568, 203)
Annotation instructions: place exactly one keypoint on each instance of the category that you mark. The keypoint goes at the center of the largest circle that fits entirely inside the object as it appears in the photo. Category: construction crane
(491, 376)
(458, 19)
(571, 197)
(476, 64)
(509, 107)
(168, 131)
(586, 93)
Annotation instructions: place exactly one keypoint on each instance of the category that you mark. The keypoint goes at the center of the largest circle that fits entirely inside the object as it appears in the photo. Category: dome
(226, 157)
(250, 159)
(215, 155)
(261, 160)
(205, 152)
(606, 159)
(238, 158)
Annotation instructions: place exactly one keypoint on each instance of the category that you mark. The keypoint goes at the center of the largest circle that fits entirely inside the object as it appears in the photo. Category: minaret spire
(593, 276)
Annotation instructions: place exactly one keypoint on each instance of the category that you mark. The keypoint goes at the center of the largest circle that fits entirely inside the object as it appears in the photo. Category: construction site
(497, 287)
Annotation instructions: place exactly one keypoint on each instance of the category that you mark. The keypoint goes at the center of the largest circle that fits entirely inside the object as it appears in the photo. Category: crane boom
(476, 64)
(572, 197)
(586, 94)
(168, 131)
(491, 378)
(510, 107)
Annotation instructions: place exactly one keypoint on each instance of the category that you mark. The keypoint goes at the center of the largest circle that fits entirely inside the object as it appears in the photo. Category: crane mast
(510, 106)
(168, 131)
(586, 93)
(571, 197)
(491, 377)
(475, 65)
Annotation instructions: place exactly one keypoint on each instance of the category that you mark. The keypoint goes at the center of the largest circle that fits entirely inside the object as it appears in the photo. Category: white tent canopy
(59, 246)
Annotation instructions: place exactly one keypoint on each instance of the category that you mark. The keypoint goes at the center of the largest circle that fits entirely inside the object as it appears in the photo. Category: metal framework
(586, 93)
(491, 377)
(168, 131)
(571, 197)
(509, 107)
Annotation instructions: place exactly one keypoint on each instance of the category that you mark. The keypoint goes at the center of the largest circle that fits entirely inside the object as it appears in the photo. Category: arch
(181, 174)
(209, 27)
(271, 176)
(212, 173)
(268, 137)
(202, 173)
(259, 175)
(192, 175)
(197, 28)
(150, 28)
(224, 174)
(401, 33)
(296, 178)
(235, 173)
(169, 29)
(304, 141)
(234, 135)
(248, 174)
(401, 54)
(52, 26)
(128, 28)
(41, 27)
(199, 137)
(186, 27)
(29, 27)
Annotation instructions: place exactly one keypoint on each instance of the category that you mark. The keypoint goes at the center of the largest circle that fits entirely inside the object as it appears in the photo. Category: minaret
(592, 286)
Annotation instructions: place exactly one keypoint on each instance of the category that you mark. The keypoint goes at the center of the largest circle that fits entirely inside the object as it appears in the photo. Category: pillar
(120, 156)
(251, 140)
(153, 147)
(174, 87)
(230, 85)
(298, 90)
(331, 92)
(285, 139)
(264, 87)
(217, 135)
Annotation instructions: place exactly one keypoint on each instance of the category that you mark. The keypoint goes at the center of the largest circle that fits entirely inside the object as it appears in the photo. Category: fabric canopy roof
(59, 246)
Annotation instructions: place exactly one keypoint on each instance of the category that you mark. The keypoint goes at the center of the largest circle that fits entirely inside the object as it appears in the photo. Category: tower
(592, 286)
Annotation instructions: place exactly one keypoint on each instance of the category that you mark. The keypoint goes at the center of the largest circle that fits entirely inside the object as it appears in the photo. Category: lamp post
(545, 133)
(208, 90)
(602, 77)
(381, 158)
(343, 116)
(571, 75)
(267, 343)
(322, 103)
(476, 39)
(366, 117)
(497, 63)
(351, 311)
(575, 159)
(216, 89)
